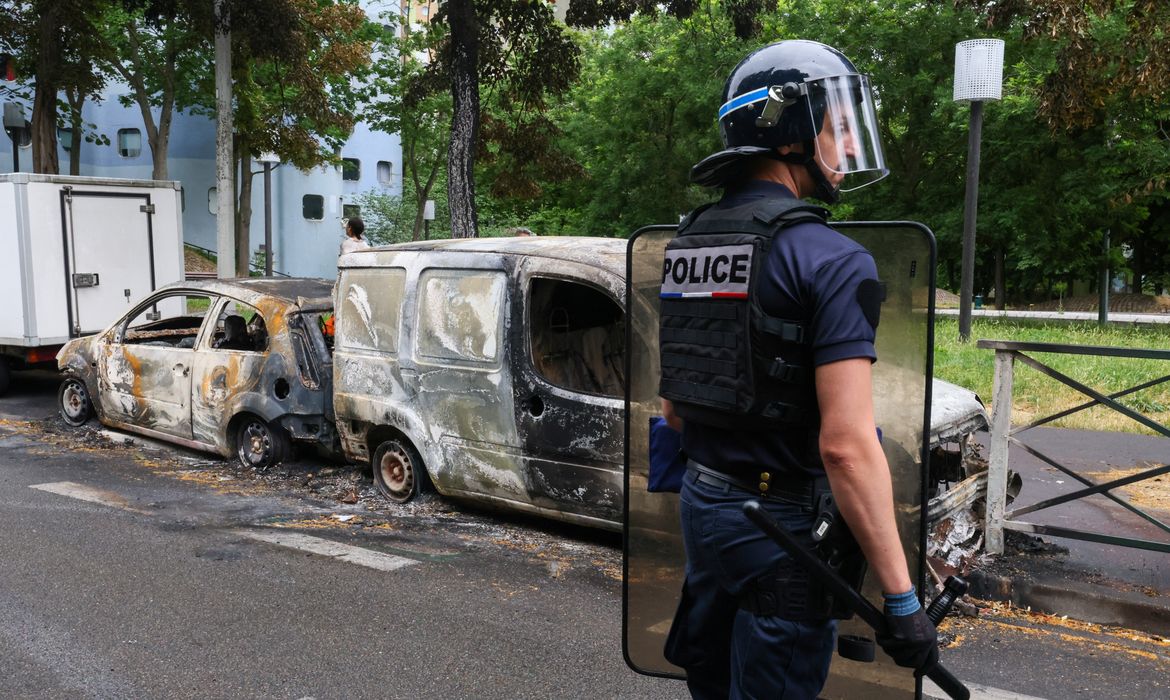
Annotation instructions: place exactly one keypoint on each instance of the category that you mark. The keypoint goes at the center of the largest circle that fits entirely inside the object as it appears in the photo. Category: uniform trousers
(729, 652)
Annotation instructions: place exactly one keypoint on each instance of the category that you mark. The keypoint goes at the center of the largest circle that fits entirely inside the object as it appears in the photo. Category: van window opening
(459, 315)
(577, 337)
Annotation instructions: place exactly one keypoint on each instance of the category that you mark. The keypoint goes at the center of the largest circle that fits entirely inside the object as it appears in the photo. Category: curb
(1086, 602)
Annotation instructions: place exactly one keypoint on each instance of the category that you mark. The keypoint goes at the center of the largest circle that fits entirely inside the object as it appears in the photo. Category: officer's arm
(857, 468)
(671, 417)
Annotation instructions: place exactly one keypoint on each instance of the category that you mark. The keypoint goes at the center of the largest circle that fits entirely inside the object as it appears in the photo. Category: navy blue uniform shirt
(812, 272)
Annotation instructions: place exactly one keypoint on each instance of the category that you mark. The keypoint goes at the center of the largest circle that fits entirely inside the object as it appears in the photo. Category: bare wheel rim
(397, 471)
(256, 444)
(74, 399)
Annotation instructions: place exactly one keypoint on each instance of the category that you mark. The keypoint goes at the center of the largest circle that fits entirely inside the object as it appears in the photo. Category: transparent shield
(653, 542)
(654, 559)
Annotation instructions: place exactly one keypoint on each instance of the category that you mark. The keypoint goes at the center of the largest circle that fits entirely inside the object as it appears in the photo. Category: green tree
(522, 56)
(54, 41)
(156, 47)
(401, 96)
(641, 115)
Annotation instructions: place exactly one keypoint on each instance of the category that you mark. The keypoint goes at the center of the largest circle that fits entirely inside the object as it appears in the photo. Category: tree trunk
(44, 111)
(244, 214)
(158, 134)
(465, 118)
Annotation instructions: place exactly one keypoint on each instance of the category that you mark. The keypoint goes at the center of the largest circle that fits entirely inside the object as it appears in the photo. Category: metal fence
(1003, 435)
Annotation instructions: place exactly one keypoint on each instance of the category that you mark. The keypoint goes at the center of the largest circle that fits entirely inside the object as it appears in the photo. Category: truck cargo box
(75, 252)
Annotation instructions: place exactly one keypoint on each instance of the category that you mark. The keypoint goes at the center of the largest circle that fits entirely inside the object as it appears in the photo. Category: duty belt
(783, 487)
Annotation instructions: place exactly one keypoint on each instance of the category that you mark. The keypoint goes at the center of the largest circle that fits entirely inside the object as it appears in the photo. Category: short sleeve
(841, 329)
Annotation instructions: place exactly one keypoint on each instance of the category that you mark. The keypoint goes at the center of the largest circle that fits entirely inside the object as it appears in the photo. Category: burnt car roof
(306, 292)
(606, 253)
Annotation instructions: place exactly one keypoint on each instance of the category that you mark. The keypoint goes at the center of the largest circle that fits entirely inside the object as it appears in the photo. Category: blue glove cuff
(903, 603)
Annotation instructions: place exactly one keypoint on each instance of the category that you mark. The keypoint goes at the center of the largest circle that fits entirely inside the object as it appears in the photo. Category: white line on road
(329, 548)
(89, 494)
(930, 691)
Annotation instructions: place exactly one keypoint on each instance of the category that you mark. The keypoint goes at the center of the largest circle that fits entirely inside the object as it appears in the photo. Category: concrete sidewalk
(1088, 581)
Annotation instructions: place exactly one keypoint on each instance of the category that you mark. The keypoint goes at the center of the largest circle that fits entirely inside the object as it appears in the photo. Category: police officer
(767, 340)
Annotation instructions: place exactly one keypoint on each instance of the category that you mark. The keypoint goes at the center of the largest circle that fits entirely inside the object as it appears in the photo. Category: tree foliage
(54, 42)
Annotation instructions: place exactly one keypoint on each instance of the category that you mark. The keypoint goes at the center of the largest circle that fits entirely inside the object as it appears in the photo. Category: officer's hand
(911, 641)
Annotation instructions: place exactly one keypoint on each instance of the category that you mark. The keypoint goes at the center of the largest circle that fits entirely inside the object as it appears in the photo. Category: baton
(830, 579)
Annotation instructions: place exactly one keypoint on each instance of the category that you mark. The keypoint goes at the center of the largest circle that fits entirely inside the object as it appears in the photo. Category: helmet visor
(848, 144)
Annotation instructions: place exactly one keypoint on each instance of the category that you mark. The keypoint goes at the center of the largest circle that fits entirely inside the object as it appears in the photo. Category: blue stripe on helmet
(744, 99)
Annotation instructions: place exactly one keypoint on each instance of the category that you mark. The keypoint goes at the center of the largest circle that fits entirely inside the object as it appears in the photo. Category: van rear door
(109, 247)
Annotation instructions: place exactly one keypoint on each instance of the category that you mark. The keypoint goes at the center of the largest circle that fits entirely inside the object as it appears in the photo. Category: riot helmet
(798, 93)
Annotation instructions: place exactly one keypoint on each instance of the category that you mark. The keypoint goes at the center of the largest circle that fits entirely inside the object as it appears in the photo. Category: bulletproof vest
(724, 361)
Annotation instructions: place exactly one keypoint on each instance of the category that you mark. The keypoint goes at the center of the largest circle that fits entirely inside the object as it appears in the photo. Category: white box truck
(75, 253)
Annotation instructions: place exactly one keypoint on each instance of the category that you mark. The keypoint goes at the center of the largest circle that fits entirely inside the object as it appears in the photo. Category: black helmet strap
(824, 189)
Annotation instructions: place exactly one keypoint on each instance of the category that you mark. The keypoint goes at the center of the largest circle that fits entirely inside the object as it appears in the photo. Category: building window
(385, 172)
(24, 135)
(65, 138)
(350, 211)
(212, 201)
(129, 143)
(313, 207)
(351, 169)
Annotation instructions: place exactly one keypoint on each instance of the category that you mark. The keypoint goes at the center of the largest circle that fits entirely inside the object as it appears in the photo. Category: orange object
(327, 327)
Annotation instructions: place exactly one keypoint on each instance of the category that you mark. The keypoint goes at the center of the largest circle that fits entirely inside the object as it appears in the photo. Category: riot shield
(653, 556)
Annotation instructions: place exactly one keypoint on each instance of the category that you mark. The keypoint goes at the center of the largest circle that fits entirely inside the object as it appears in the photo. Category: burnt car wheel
(76, 407)
(260, 444)
(398, 471)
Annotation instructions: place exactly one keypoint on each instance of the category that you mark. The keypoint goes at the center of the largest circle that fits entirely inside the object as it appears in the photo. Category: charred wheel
(260, 444)
(398, 470)
(73, 397)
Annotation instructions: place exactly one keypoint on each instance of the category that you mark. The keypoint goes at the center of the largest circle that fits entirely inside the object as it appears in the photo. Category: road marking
(329, 548)
(89, 494)
(930, 691)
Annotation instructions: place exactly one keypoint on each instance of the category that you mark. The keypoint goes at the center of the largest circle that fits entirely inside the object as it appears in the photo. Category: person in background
(355, 230)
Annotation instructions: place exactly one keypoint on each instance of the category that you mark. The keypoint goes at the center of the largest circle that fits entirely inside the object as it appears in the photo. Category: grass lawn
(1035, 395)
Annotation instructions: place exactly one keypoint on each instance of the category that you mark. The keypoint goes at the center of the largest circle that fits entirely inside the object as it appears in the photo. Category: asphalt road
(128, 571)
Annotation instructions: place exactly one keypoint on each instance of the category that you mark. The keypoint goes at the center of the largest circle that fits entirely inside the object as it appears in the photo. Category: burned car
(493, 370)
(228, 366)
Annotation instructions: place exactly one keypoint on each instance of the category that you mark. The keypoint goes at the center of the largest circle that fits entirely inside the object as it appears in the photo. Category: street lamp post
(428, 217)
(269, 159)
(13, 123)
(978, 78)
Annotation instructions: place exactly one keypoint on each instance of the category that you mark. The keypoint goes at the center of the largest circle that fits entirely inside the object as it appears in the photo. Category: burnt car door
(227, 366)
(567, 340)
(145, 361)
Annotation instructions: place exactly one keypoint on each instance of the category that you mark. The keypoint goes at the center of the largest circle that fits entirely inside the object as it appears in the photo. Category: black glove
(911, 641)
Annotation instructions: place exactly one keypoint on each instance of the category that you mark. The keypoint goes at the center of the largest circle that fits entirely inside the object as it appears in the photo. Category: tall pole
(225, 220)
(970, 206)
(268, 219)
(1103, 291)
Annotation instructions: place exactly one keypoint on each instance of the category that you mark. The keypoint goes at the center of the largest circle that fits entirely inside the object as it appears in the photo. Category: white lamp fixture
(978, 70)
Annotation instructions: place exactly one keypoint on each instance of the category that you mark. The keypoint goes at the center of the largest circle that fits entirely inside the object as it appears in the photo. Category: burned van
(490, 369)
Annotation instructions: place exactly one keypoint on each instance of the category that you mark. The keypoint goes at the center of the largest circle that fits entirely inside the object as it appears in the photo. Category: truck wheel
(260, 444)
(398, 470)
(5, 376)
(73, 398)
